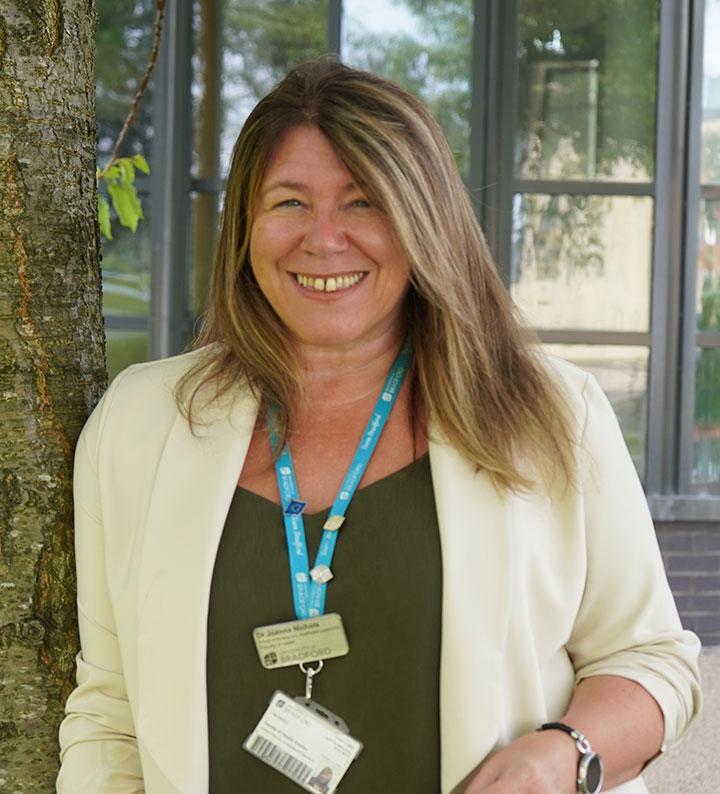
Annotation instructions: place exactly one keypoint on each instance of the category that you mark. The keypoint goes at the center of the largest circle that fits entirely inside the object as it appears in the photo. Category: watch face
(591, 773)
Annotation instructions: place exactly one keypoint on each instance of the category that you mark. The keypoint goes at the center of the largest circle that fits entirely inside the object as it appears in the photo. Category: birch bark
(52, 367)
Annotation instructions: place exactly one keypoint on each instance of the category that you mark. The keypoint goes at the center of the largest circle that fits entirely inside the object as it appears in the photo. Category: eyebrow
(287, 185)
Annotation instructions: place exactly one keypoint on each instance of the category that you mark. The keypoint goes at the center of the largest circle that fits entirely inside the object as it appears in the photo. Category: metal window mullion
(710, 192)
(130, 322)
(334, 26)
(583, 336)
(502, 79)
(690, 253)
(172, 122)
(661, 457)
(582, 187)
(707, 339)
(207, 184)
(479, 115)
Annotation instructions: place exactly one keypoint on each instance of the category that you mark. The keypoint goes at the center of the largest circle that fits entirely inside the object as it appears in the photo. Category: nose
(325, 235)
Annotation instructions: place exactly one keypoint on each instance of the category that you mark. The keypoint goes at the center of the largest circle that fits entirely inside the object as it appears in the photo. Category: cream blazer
(539, 591)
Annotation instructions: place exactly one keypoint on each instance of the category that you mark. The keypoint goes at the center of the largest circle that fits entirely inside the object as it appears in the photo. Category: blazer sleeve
(627, 624)
(98, 750)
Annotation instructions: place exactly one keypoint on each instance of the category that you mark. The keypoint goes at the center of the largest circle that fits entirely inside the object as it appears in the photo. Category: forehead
(305, 155)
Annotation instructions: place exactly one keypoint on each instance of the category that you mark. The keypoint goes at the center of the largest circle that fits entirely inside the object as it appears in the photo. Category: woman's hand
(538, 763)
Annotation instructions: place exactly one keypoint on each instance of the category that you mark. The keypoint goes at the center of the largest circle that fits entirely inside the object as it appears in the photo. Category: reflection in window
(622, 372)
(587, 83)
(708, 280)
(205, 89)
(706, 436)
(205, 214)
(710, 153)
(126, 269)
(261, 41)
(124, 40)
(124, 348)
(582, 262)
(425, 47)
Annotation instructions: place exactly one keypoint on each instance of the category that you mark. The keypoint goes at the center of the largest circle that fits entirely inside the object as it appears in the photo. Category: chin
(338, 335)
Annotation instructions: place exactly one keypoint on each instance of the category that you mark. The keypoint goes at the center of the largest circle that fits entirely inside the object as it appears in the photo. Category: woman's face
(327, 260)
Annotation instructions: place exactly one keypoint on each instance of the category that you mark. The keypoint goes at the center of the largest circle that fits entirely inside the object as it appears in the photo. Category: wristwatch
(590, 767)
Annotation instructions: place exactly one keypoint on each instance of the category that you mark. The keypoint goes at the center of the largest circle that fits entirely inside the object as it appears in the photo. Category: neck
(342, 375)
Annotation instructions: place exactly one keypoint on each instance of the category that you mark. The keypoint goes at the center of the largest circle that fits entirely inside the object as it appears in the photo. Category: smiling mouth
(336, 283)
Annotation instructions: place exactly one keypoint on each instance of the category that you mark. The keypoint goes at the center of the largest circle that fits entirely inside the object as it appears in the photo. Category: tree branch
(159, 14)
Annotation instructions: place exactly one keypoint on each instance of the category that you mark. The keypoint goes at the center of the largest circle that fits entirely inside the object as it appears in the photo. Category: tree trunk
(52, 367)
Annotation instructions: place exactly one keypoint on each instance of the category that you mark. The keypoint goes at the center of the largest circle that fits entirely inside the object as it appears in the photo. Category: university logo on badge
(295, 507)
(270, 659)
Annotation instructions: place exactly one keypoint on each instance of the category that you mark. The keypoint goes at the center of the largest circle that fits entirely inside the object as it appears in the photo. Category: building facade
(589, 138)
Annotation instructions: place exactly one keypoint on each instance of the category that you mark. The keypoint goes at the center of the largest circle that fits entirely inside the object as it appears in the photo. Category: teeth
(330, 284)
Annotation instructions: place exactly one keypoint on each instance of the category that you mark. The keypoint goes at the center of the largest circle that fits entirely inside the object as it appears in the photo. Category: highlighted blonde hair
(475, 374)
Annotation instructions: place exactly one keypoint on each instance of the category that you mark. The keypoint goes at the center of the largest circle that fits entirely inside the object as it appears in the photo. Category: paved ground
(694, 767)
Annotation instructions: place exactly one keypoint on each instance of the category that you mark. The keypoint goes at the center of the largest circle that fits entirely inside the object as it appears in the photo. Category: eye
(289, 203)
(361, 203)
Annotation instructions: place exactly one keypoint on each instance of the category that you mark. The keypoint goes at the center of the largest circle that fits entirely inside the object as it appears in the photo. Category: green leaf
(141, 163)
(104, 217)
(126, 204)
(127, 170)
(113, 173)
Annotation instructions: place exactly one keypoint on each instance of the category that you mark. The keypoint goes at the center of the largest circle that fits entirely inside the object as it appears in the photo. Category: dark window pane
(427, 47)
(126, 268)
(259, 42)
(587, 84)
(582, 262)
(125, 348)
(710, 158)
(708, 275)
(207, 64)
(124, 41)
(204, 228)
(622, 372)
(706, 436)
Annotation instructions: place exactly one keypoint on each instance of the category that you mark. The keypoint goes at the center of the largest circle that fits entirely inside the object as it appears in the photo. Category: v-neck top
(388, 590)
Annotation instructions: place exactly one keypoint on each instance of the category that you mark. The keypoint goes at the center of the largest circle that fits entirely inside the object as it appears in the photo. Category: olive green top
(388, 589)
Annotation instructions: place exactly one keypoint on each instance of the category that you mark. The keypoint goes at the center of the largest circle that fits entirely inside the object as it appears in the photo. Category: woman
(495, 571)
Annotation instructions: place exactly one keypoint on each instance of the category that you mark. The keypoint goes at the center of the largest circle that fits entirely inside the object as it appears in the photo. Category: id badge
(296, 641)
(310, 749)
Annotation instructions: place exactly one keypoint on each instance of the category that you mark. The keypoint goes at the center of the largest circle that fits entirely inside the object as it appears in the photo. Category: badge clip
(321, 574)
(310, 673)
(334, 523)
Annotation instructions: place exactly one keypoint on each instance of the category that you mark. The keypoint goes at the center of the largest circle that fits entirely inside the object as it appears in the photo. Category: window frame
(675, 189)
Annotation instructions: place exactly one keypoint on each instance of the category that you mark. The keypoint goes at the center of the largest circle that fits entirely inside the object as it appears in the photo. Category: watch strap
(581, 741)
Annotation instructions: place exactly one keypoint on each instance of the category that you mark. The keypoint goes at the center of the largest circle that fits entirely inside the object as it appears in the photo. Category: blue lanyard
(308, 594)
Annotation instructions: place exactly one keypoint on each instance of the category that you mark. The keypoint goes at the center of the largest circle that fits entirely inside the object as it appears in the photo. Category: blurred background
(588, 135)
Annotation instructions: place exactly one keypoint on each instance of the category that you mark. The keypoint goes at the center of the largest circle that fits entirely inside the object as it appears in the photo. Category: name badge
(309, 640)
(304, 746)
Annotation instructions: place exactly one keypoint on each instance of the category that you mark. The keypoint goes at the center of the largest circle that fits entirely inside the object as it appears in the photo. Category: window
(701, 452)
(589, 138)
(124, 38)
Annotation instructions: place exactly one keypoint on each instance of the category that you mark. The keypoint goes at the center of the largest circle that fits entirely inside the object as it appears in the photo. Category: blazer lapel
(474, 532)
(195, 482)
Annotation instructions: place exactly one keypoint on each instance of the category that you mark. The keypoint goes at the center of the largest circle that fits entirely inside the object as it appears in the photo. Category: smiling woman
(364, 426)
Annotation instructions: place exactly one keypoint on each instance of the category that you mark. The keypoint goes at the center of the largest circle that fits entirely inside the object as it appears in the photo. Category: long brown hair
(483, 386)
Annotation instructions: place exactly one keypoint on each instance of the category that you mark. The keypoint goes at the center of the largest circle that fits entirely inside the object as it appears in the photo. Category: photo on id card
(301, 745)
